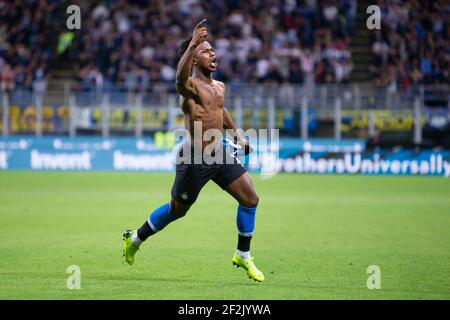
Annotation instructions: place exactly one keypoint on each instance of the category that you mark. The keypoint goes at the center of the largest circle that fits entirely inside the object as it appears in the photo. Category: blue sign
(323, 156)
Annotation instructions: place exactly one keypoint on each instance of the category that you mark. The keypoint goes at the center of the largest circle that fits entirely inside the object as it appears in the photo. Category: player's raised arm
(184, 87)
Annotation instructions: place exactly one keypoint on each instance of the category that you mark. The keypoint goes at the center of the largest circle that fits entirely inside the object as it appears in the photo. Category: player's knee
(178, 209)
(251, 201)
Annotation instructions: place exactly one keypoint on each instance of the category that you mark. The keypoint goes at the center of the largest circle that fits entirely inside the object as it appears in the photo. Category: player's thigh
(189, 181)
(243, 191)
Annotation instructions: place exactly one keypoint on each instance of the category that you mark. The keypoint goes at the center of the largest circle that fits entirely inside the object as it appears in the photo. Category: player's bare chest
(211, 94)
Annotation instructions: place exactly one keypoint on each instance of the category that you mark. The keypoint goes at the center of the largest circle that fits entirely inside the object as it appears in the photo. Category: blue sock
(245, 220)
(160, 218)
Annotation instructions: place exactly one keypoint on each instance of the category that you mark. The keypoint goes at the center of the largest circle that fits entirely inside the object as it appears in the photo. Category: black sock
(145, 231)
(244, 243)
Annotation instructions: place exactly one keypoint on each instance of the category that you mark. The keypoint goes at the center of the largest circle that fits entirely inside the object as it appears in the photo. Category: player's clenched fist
(199, 34)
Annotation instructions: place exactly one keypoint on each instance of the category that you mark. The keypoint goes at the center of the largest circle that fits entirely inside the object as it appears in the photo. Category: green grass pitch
(315, 238)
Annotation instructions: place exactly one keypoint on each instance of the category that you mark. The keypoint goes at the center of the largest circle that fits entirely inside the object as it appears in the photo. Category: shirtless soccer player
(202, 101)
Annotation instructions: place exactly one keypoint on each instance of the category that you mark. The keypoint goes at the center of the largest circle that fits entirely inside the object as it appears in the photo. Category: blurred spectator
(8, 78)
(40, 79)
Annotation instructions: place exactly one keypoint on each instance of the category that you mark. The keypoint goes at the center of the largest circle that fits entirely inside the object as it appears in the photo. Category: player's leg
(157, 221)
(236, 181)
(243, 191)
(186, 187)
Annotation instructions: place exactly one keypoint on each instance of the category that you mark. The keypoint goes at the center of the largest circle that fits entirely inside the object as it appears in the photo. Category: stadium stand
(413, 45)
(26, 42)
(135, 42)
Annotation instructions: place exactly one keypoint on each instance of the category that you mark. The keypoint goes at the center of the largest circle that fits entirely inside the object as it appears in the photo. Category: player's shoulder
(220, 83)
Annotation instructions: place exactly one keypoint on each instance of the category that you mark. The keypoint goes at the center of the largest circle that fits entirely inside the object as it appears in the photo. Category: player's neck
(205, 76)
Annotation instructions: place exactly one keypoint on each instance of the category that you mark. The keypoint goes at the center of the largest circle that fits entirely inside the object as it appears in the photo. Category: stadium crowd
(26, 31)
(135, 42)
(413, 45)
(264, 41)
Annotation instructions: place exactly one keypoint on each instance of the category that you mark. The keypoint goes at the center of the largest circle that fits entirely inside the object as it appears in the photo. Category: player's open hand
(200, 33)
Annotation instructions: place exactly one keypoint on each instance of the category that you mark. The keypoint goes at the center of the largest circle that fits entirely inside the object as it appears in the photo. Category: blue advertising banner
(87, 153)
(324, 156)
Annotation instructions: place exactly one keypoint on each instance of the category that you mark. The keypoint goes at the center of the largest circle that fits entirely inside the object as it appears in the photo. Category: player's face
(205, 57)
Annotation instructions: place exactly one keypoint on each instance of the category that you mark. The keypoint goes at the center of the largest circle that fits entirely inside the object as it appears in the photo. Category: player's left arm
(228, 124)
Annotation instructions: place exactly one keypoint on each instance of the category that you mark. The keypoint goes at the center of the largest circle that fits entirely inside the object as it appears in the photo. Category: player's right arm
(183, 83)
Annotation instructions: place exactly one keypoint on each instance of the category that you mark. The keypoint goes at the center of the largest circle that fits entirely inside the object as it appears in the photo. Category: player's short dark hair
(183, 47)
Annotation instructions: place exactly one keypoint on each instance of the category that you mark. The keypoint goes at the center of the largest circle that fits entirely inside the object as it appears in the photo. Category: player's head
(204, 58)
